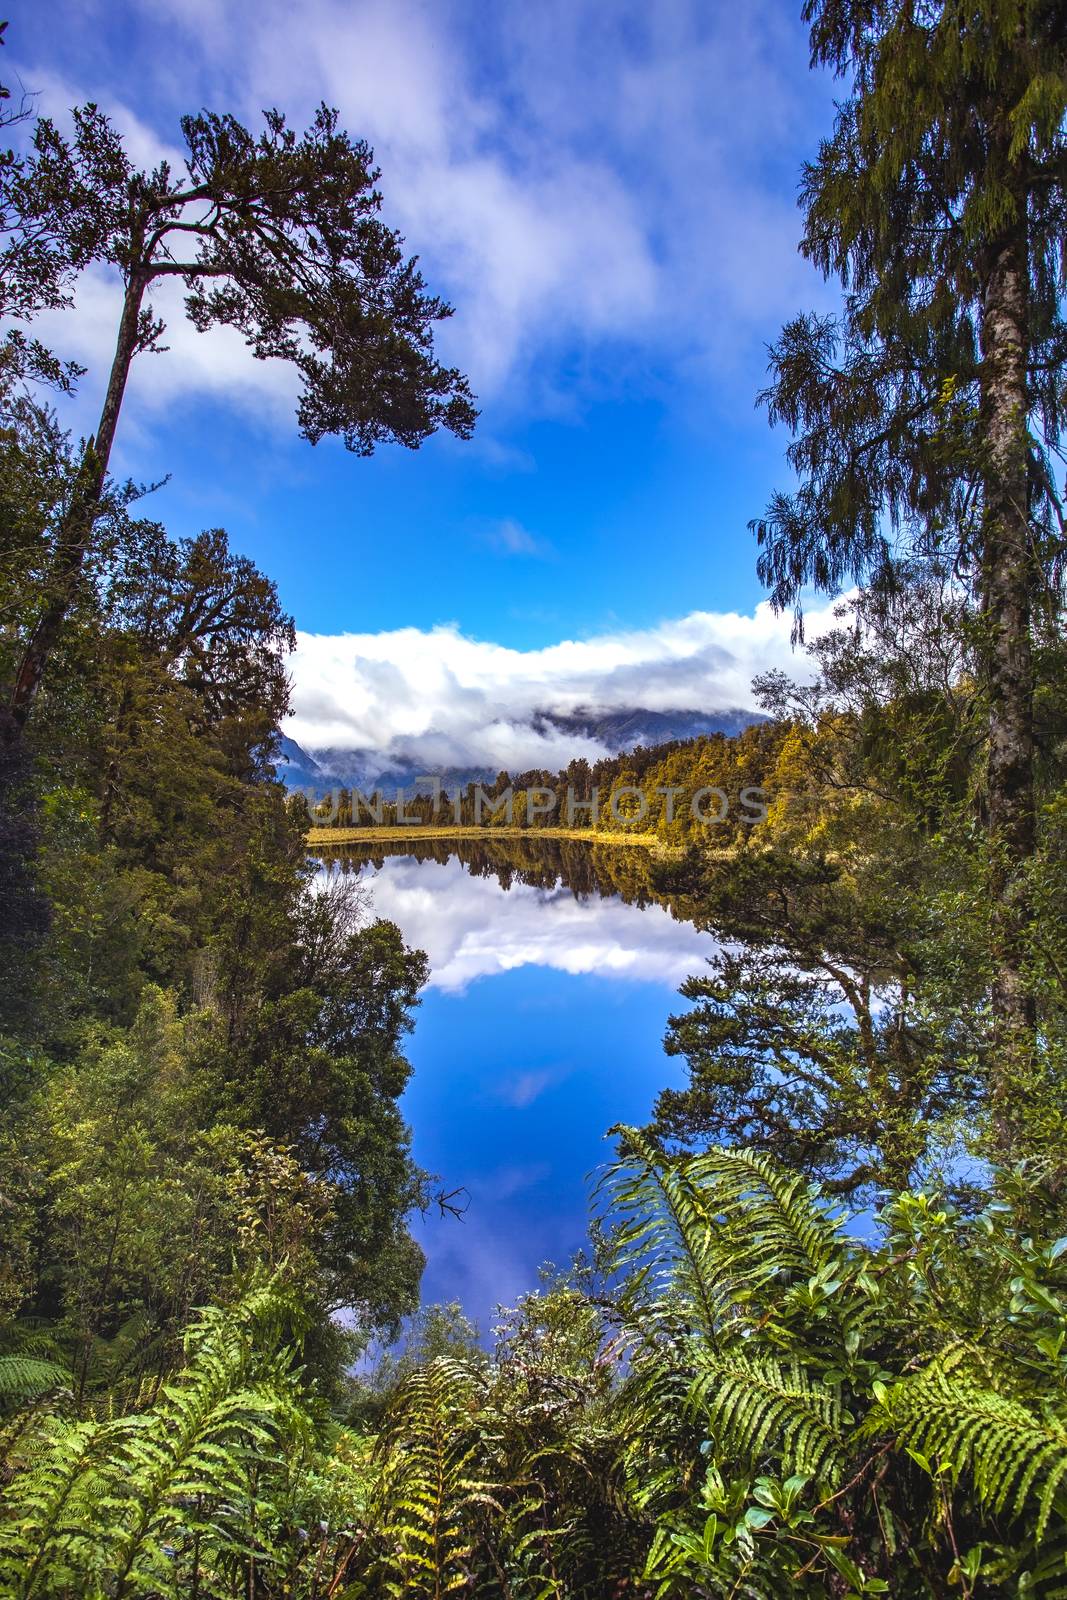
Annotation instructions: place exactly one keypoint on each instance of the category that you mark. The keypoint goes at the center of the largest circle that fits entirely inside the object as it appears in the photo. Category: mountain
(297, 769)
(616, 730)
(627, 727)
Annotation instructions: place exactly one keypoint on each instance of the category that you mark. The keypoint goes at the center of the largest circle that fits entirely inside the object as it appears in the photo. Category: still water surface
(553, 971)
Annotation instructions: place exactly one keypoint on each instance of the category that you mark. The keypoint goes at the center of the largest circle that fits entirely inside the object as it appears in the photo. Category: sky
(443, 700)
(606, 192)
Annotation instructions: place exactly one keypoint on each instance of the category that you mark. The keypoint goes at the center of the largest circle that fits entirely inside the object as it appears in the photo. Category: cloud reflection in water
(541, 1027)
(471, 927)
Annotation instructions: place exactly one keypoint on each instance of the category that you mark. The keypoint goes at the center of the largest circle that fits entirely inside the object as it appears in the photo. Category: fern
(663, 1236)
(431, 1481)
(145, 1502)
(760, 1405)
(26, 1377)
(722, 1245)
(781, 1219)
(712, 1232)
(1013, 1457)
(748, 1311)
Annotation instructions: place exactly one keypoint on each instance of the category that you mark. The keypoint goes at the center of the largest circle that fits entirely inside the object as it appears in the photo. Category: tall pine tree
(275, 235)
(929, 411)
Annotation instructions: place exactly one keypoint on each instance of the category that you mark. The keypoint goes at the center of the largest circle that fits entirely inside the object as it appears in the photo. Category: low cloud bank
(440, 699)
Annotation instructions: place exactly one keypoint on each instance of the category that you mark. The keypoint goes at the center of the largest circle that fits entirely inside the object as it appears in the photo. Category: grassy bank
(413, 832)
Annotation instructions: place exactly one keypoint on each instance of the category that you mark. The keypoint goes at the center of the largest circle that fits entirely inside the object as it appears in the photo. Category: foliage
(743, 1398)
(200, 1053)
(650, 790)
(816, 1365)
(186, 1495)
(203, 1164)
(275, 234)
(846, 1023)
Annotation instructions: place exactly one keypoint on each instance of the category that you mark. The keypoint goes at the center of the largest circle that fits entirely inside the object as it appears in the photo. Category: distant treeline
(676, 791)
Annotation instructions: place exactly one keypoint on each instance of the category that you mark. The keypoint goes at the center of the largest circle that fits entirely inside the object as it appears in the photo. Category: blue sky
(607, 194)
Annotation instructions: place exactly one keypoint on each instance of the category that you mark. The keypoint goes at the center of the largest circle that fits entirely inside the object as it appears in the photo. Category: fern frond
(24, 1377)
(761, 1406)
(784, 1219)
(713, 1240)
(1014, 1457)
(433, 1482)
(663, 1234)
(47, 1531)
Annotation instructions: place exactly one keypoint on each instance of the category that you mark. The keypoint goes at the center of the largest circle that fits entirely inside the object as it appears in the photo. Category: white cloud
(521, 1089)
(444, 699)
(503, 1183)
(536, 239)
(147, 146)
(510, 538)
(191, 365)
(599, 190)
(471, 928)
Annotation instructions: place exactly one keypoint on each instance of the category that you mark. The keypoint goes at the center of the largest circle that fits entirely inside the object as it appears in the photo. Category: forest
(817, 1343)
(681, 792)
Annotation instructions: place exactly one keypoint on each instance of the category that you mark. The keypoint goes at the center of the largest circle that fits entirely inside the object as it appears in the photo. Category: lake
(553, 970)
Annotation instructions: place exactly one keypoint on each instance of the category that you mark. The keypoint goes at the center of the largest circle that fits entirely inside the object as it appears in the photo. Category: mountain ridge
(618, 729)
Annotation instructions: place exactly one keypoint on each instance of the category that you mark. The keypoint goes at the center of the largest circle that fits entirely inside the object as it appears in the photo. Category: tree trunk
(76, 528)
(1007, 590)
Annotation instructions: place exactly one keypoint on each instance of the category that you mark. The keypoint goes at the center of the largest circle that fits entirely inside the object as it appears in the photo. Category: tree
(821, 1033)
(277, 236)
(931, 407)
(26, 912)
(843, 1026)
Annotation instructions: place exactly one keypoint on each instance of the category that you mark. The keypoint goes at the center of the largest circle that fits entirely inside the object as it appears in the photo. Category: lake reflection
(553, 970)
(486, 910)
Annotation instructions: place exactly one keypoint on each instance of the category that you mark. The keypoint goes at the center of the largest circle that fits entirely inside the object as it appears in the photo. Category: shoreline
(416, 832)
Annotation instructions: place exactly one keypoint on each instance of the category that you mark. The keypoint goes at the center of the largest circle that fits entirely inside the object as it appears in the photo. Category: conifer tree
(929, 411)
(276, 235)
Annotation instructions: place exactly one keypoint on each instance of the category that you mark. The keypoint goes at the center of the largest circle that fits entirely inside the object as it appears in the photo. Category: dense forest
(817, 1345)
(675, 792)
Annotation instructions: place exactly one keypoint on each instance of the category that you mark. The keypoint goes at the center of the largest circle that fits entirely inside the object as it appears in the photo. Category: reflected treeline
(585, 869)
